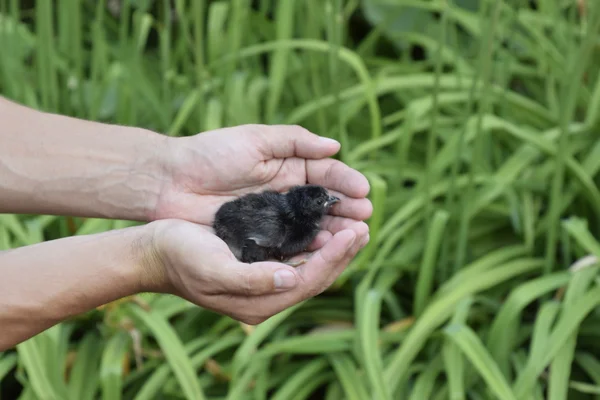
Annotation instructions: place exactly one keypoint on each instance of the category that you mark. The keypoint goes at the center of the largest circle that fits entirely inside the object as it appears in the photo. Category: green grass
(477, 124)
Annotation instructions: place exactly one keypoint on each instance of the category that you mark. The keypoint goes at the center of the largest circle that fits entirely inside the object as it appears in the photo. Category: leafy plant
(477, 125)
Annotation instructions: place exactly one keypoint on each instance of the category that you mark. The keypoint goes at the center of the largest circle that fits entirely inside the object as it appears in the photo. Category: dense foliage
(477, 124)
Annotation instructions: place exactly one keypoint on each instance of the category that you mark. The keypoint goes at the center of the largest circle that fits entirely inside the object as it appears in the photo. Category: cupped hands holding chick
(52, 164)
(217, 167)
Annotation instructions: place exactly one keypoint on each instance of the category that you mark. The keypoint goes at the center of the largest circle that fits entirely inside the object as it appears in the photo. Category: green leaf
(474, 350)
(171, 345)
(83, 378)
(112, 366)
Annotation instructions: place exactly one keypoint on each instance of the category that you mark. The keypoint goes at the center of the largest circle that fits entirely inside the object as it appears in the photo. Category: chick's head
(310, 201)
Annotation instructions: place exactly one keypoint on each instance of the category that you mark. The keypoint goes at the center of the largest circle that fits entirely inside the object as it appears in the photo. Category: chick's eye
(320, 201)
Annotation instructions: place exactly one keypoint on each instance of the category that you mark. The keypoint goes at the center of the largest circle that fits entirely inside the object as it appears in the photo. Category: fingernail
(328, 140)
(352, 241)
(284, 279)
(365, 240)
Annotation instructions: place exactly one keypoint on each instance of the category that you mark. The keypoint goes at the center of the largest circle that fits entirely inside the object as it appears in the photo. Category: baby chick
(272, 225)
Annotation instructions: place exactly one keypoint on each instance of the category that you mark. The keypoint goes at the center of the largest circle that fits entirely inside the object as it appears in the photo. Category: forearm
(52, 164)
(46, 283)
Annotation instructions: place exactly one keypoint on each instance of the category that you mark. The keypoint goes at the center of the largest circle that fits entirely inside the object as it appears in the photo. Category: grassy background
(477, 124)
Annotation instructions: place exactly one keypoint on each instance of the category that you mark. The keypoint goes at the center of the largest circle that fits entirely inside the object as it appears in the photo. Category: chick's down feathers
(272, 225)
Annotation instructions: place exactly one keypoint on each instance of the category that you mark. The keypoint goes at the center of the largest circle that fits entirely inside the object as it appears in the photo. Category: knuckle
(256, 130)
(248, 286)
(333, 258)
(300, 130)
(330, 172)
(252, 282)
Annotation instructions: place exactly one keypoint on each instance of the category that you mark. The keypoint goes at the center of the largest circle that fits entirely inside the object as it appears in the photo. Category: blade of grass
(112, 366)
(83, 378)
(348, 376)
(435, 235)
(301, 378)
(284, 17)
(173, 349)
(483, 362)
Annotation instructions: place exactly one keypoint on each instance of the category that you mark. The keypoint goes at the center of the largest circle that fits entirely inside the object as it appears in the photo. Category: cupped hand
(206, 170)
(195, 264)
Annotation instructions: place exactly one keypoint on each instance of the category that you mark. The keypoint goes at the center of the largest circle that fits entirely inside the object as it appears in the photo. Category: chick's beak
(331, 200)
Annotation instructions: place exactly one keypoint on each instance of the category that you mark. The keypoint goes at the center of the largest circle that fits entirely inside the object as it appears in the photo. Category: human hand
(206, 170)
(193, 263)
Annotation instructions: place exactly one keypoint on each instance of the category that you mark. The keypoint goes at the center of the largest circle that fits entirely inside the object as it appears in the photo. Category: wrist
(150, 171)
(149, 253)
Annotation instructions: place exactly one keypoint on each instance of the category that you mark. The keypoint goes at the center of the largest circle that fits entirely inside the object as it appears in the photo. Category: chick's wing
(262, 217)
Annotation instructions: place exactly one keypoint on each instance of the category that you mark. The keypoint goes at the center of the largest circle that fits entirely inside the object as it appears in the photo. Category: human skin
(52, 164)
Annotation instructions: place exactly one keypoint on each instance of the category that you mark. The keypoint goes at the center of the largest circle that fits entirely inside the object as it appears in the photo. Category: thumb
(258, 278)
(282, 141)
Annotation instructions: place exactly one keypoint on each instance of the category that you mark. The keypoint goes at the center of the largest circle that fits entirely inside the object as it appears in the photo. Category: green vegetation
(478, 126)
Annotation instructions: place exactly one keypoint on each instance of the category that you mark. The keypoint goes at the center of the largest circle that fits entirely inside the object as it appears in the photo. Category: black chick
(272, 225)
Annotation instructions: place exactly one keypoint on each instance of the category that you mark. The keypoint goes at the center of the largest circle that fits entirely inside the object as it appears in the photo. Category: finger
(313, 277)
(359, 209)
(361, 231)
(336, 224)
(283, 141)
(362, 239)
(319, 266)
(257, 278)
(320, 240)
(329, 229)
(335, 175)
